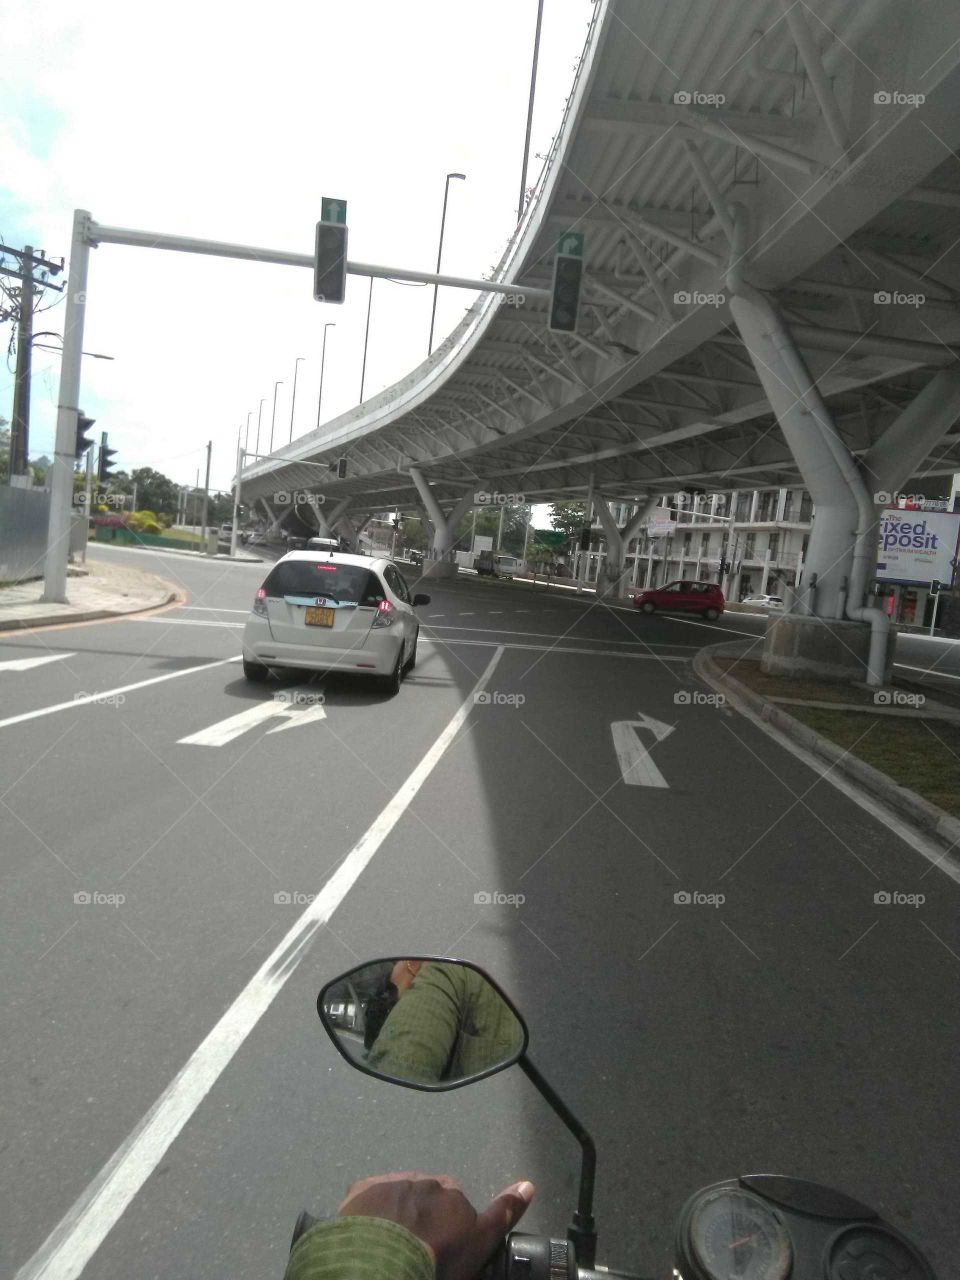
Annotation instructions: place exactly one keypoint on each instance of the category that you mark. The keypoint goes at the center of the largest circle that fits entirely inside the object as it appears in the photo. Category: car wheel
(392, 682)
(711, 614)
(648, 607)
(411, 662)
(255, 671)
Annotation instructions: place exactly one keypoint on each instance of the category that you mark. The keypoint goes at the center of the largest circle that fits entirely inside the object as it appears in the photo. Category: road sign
(333, 211)
(635, 763)
(567, 278)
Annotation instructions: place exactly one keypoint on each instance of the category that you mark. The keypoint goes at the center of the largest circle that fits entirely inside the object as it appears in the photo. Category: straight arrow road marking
(635, 762)
(218, 735)
(24, 664)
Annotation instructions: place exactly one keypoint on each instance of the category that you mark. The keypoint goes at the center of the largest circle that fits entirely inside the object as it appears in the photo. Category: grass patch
(915, 752)
(920, 754)
(182, 535)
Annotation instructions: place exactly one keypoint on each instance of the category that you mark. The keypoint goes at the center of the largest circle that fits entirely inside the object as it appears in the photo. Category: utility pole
(584, 563)
(134, 495)
(500, 528)
(206, 500)
(20, 424)
(22, 307)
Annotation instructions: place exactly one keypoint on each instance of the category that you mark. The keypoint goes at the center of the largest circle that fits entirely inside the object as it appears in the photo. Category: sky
(229, 122)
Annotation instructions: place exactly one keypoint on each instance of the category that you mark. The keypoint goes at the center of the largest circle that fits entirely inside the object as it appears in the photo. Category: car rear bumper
(377, 656)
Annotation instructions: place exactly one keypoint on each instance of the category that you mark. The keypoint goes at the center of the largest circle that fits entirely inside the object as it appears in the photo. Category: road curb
(173, 596)
(931, 821)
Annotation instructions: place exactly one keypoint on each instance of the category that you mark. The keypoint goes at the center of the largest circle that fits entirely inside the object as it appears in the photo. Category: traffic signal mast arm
(220, 249)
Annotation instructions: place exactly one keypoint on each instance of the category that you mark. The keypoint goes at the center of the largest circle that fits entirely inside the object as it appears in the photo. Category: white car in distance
(321, 610)
(764, 602)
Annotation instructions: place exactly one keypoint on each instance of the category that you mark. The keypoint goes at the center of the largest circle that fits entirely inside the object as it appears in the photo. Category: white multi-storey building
(751, 540)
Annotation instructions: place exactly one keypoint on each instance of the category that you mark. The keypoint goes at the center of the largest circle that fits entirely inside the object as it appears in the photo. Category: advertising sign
(660, 527)
(917, 546)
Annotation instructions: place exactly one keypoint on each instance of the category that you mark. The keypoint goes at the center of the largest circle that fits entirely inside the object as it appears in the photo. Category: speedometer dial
(735, 1236)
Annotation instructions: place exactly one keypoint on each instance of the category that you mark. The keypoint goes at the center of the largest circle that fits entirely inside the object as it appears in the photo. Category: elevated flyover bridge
(769, 192)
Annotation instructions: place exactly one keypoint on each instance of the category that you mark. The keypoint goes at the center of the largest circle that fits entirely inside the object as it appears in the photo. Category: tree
(568, 517)
(155, 491)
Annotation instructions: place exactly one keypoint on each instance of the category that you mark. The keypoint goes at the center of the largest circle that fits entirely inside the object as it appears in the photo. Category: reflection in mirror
(422, 1022)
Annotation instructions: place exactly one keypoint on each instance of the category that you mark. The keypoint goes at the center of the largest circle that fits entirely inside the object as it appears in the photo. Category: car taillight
(260, 603)
(384, 616)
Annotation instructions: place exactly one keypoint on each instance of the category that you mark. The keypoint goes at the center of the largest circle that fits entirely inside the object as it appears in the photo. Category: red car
(705, 598)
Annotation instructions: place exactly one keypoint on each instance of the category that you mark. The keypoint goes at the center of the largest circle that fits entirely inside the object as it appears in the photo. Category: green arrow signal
(571, 244)
(334, 211)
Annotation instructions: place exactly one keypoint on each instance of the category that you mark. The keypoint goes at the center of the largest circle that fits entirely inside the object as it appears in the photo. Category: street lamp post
(246, 434)
(259, 416)
(293, 402)
(366, 340)
(331, 324)
(273, 417)
(443, 221)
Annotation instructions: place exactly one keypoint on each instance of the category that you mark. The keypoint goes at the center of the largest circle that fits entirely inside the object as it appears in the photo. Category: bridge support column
(841, 557)
(444, 526)
(842, 551)
(614, 569)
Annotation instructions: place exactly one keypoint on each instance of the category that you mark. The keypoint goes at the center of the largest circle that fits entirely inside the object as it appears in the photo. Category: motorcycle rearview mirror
(433, 1023)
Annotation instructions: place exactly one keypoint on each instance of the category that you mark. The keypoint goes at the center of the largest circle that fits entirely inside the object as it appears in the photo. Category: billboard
(917, 546)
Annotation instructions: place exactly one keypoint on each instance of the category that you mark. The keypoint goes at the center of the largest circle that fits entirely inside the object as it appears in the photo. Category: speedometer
(733, 1235)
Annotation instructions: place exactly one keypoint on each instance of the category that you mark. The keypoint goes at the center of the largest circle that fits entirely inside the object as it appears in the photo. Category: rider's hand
(437, 1212)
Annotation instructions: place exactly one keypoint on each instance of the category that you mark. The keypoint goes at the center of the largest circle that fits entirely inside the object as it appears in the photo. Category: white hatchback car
(321, 610)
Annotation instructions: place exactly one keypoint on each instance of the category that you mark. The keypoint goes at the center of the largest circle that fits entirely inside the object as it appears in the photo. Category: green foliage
(155, 491)
(568, 517)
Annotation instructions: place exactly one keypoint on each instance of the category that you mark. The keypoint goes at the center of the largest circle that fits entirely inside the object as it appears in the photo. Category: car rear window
(341, 582)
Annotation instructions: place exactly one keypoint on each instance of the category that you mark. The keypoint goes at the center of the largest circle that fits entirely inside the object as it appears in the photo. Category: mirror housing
(420, 599)
(423, 1022)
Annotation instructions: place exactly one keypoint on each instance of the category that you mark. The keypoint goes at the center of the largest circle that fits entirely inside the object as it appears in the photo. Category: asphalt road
(797, 1026)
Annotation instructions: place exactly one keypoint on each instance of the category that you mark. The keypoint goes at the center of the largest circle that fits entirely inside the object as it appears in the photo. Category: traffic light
(83, 426)
(936, 587)
(585, 538)
(330, 262)
(565, 303)
(105, 466)
(342, 469)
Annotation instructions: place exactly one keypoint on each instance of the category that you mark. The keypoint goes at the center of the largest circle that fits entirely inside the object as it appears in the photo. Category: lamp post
(331, 324)
(273, 417)
(259, 416)
(293, 402)
(366, 340)
(443, 221)
(246, 434)
(533, 93)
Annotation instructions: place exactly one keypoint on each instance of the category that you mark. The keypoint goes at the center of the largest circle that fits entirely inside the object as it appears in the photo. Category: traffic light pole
(88, 234)
(87, 501)
(61, 471)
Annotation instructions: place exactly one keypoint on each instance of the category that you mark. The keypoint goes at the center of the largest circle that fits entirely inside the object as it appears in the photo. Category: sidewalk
(100, 591)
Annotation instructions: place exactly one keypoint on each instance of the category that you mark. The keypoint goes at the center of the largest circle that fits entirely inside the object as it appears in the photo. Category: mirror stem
(582, 1231)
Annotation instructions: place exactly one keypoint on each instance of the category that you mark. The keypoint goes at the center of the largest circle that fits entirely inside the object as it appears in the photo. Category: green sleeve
(418, 1038)
(359, 1249)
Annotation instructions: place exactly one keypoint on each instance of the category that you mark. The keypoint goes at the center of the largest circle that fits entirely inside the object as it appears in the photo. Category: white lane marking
(73, 1242)
(553, 648)
(636, 764)
(550, 635)
(193, 622)
(218, 735)
(210, 608)
(469, 614)
(24, 664)
(89, 698)
(927, 671)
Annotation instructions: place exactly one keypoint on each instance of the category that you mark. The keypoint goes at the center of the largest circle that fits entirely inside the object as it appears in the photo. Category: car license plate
(316, 617)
